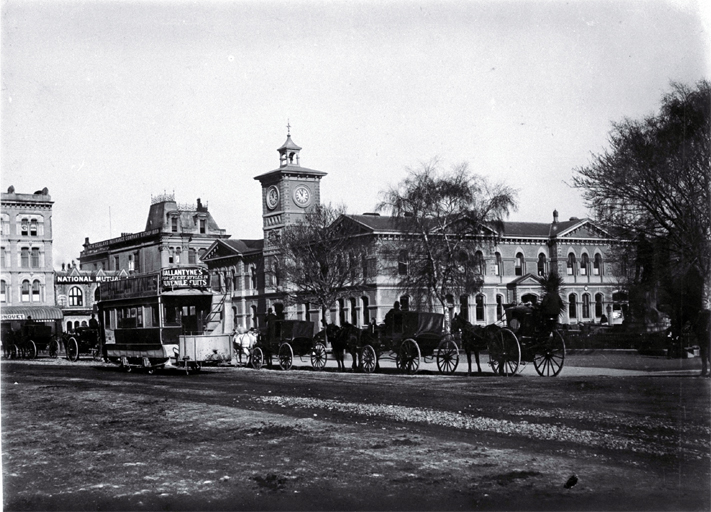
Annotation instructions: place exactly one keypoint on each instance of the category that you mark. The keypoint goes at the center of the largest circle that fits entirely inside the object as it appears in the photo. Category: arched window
(530, 297)
(354, 311)
(35, 258)
(33, 227)
(586, 305)
(97, 294)
(69, 326)
(598, 305)
(253, 277)
(499, 307)
(25, 227)
(519, 264)
(3, 291)
(479, 263)
(541, 264)
(584, 262)
(464, 307)
(76, 297)
(571, 264)
(480, 308)
(403, 263)
(499, 265)
(572, 306)
(36, 291)
(597, 265)
(25, 291)
(366, 312)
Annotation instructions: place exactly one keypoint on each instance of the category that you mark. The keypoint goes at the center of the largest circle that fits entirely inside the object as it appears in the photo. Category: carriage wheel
(408, 356)
(14, 352)
(447, 356)
(286, 356)
(53, 348)
(550, 355)
(319, 356)
(30, 349)
(368, 359)
(256, 360)
(504, 353)
(72, 349)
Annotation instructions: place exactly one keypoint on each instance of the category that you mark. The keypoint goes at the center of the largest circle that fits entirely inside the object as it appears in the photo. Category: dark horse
(333, 335)
(474, 339)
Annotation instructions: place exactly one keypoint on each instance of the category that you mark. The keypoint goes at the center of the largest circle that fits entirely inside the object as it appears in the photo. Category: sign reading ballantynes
(184, 277)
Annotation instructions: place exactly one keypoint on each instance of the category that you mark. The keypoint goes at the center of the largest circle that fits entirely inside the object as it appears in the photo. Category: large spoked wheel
(368, 359)
(54, 349)
(256, 360)
(447, 356)
(504, 353)
(408, 356)
(550, 355)
(319, 356)
(30, 349)
(72, 349)
(286, 356)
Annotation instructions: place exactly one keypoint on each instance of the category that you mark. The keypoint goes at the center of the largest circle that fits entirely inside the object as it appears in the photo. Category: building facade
(27, 282)
(511, 262)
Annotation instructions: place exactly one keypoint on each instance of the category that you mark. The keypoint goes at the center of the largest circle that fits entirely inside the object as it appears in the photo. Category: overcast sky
(108, 103)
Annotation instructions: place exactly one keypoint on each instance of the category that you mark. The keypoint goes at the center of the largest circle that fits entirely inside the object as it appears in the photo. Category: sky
(108, 103)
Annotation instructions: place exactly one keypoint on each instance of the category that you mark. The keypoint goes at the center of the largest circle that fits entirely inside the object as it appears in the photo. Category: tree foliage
(318, 259)
(653, 183)
(445, 216)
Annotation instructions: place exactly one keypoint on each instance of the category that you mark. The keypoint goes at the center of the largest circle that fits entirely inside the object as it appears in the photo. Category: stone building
(174, 235)
(27, 284)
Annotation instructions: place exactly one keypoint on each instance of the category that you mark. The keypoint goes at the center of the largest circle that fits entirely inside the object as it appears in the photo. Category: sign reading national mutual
(84, 279)
(184, 277)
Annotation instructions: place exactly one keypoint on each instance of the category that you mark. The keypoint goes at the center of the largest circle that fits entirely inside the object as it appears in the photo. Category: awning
(36, 312)
(186, 292)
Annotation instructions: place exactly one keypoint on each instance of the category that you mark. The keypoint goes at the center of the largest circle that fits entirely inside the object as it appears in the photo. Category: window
(529, 298)
(480, 308)
(499, 307)
(253, 277)
(139, 316)
(116, 262)
(3, 291)
(571, 264)
(464, 307)
(364, 266)
(25, 257)
(136, 261)
(35, 261)
(97, 294)
(572, 306)
(541, 264)
(130, 263)
(597, 265)
(107, 319)
(69, 326)
(584, 262)
(354, 311)
(341, 312)
(33, 227)
(586, 306)
(499, 265)
(254, 316)
(3, 261)
(366, 311)
(202, 226)
(174, 224)
(598, 305)
(76, 297)
(405, 303)
(36, 291)
(402, 263)
(519, 264)
(25, 291)
(479, 264)
(192, 256)
(25, 227)
(178, 251)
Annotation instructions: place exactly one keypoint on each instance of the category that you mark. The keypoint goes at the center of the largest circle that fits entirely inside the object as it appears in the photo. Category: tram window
(172, 316)
(107, 318)
(154, 316)
(139, 317)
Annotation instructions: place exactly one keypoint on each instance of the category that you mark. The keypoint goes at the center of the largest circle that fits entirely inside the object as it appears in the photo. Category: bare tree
(446, 217)
(653, 185)
(318, 259)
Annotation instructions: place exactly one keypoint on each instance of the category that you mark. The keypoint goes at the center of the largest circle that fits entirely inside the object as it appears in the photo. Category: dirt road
(89, 437)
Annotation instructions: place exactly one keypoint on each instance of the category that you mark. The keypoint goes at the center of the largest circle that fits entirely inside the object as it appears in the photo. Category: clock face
(272, 197)
(302, 196)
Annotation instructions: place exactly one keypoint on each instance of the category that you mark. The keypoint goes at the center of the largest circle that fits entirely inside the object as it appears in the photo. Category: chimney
(555, 216)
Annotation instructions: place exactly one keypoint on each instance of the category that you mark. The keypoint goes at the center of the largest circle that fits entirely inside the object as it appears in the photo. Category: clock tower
(289, 191)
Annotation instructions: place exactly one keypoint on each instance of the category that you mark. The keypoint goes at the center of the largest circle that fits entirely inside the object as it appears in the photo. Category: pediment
(584, 229)
(526, 280)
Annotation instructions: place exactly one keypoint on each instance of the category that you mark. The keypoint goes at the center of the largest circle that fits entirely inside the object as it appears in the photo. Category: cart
(287, 339)
(83, 341)
(27, 341)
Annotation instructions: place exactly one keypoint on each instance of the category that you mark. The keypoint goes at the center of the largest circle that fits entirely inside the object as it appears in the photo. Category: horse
(243, 342)
(349, 337)
(332, 333)
(473, 339)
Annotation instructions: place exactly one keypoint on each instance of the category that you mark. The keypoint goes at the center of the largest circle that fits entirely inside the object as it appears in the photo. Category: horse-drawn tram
(168, 318)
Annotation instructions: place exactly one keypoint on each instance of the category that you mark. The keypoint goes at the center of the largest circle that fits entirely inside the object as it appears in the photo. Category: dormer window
(202, 226)
(174, 224)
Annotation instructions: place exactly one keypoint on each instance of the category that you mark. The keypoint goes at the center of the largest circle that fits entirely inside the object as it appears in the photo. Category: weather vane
(288, 128)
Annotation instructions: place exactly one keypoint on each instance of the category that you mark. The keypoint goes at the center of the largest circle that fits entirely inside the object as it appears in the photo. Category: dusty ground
(89, 437)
